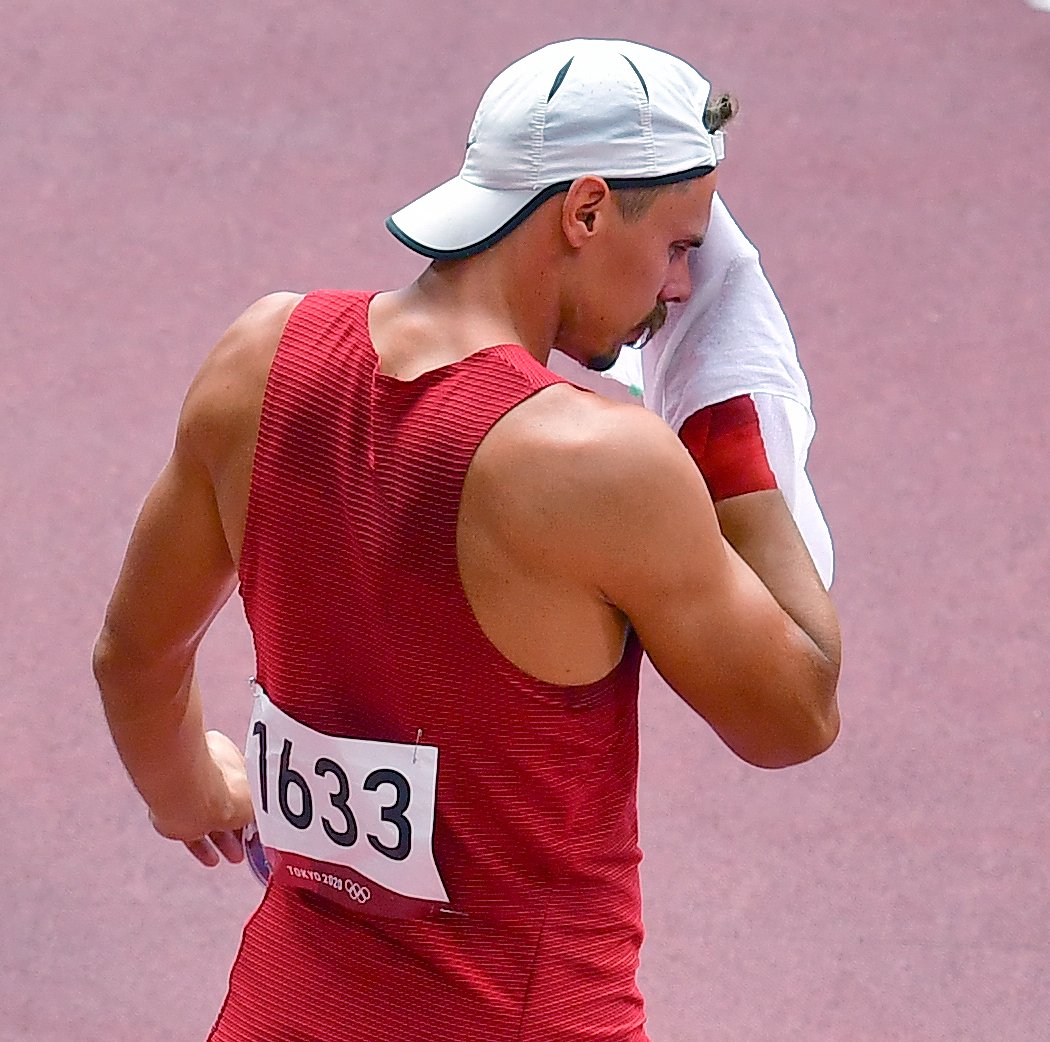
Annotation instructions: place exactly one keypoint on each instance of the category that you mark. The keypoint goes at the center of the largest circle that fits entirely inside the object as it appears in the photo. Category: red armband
(725, 440)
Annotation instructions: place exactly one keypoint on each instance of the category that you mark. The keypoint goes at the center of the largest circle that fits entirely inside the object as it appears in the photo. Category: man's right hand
(214, 825)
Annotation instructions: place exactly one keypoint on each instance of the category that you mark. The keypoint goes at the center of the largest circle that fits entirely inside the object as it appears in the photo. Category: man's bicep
(707, 627)
(665, 565)
(177, 571)
(708, 624)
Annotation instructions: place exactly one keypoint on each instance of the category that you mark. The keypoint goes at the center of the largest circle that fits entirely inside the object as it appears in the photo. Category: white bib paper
(345, 817)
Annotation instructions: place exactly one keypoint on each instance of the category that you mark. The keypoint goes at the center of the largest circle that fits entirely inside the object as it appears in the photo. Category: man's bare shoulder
(583, 471)
(224, 400)
(573, 435)
(249, 345)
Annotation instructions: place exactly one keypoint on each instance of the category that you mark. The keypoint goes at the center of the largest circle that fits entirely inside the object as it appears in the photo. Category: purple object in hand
(255, 855)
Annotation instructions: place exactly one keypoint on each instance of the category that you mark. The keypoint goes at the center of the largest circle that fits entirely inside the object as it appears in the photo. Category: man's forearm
(760, 528)
(158, 733)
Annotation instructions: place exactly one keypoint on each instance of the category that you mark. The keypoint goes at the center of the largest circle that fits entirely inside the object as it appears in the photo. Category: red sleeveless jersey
(363, 632)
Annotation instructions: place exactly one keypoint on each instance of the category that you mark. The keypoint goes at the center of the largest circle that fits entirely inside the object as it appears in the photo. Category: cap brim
(458, 219)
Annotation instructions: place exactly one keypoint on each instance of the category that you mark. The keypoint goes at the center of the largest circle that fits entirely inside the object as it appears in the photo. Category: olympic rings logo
(360, 894)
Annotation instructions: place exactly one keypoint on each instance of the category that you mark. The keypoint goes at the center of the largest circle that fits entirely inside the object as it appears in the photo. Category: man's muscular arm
(176, 575)
(178, 571)
(762, 673)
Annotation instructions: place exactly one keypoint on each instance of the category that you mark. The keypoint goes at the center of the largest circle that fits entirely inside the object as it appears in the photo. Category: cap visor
(458, 219)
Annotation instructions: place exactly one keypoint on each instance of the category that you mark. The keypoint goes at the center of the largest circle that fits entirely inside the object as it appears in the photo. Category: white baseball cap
(625, 112)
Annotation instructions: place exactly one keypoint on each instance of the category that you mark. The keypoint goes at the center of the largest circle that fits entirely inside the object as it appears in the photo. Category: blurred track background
(163, 164)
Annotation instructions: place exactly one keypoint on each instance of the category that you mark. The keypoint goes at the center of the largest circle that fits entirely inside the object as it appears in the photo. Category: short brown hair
(720, 110)
(635, 203)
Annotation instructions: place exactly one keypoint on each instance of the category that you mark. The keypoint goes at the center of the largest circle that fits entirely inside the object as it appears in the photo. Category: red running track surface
(164, 164)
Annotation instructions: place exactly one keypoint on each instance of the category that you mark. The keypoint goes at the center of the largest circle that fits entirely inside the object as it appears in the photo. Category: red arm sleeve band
(726, 441)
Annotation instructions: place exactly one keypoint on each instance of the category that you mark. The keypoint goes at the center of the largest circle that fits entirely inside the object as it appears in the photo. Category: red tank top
(362, 630)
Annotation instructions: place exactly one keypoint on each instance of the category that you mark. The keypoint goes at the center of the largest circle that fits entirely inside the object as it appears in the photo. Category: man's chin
(602, 363)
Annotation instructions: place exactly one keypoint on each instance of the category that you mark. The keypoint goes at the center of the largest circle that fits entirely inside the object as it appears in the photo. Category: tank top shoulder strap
(324, 325)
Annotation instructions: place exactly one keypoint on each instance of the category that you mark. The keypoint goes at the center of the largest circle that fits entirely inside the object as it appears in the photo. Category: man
(451, 560)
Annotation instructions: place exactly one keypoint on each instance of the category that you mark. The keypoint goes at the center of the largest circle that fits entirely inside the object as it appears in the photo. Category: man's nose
(679, 284)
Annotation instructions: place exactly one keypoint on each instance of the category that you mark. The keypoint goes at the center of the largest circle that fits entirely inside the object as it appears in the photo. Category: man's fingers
(203, 851)
(229, 845)
(208, 850)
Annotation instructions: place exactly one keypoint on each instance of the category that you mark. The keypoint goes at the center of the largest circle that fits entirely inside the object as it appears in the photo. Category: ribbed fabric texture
(362, 629)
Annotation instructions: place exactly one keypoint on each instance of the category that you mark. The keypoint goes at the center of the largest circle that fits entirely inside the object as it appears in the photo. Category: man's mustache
(652, 324)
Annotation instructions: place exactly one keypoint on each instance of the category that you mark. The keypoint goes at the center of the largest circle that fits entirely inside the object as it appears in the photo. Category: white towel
(731, 338)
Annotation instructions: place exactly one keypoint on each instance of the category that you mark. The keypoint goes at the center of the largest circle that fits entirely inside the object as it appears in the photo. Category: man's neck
(500, 296)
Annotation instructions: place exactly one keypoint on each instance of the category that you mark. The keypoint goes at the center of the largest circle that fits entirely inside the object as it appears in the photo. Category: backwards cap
(628, 113)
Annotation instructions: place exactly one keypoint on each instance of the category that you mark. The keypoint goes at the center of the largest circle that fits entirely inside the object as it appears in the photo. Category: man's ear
(583, 207)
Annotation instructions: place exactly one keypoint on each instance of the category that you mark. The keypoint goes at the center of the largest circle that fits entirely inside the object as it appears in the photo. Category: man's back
(471, 831)
(546, 622)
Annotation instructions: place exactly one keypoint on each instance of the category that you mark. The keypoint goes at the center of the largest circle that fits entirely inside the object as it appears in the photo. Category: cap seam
(537, 139)
(648, 137)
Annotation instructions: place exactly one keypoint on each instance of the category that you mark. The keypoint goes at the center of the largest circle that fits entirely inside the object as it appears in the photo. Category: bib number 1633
(344, 809)
(295, 799)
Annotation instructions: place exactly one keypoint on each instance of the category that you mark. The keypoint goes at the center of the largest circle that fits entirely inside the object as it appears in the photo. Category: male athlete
(451, 561)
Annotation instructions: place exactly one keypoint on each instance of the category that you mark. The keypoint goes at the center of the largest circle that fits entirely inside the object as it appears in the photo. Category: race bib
(347, 818)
